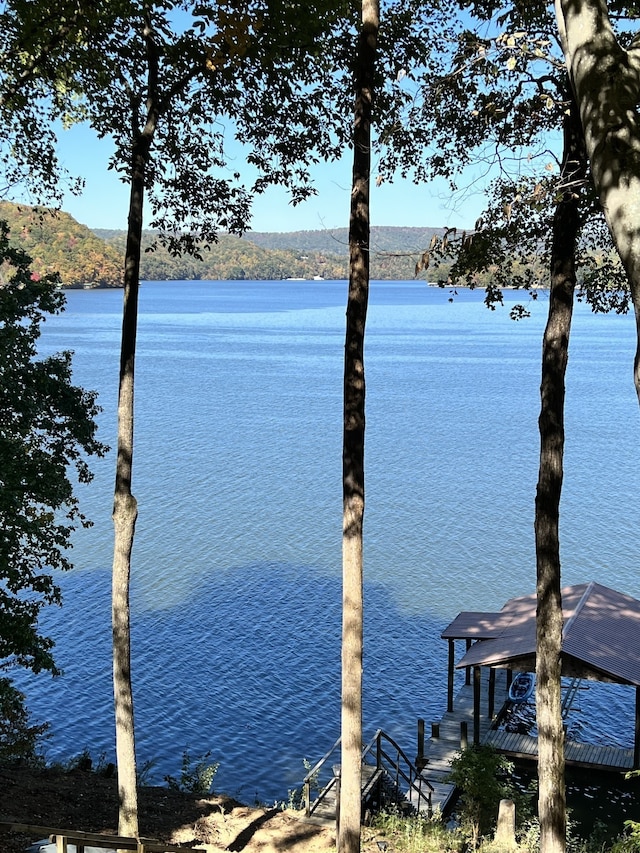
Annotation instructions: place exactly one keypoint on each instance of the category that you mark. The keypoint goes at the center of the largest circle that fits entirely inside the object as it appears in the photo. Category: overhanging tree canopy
(47, 430)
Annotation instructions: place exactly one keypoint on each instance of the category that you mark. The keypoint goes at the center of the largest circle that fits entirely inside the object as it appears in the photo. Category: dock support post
(467, 672)
(492, 693)
(476, 704)
(421, 761)
(464, 736)
(307, 797)
(636, 740)
(450, 676)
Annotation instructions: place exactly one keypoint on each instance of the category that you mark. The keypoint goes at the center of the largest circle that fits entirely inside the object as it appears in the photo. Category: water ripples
(237, 470)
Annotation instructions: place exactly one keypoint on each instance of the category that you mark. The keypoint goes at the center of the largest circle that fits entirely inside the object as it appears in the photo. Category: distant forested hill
(85, 258)
(297, 254)
(231, 258)
(57, 243)
(384, 239)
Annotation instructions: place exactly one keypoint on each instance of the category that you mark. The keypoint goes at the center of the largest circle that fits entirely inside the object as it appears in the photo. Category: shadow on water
(598, 803)
(601, 802)
(248, 668)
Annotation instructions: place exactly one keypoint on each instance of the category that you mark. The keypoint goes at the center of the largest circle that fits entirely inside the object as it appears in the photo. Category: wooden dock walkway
(576, 754)
(445, 741)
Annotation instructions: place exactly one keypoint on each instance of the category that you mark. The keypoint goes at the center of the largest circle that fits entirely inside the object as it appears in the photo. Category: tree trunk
(125, 510)
(551, 787)
(606, 82)
(353, 441)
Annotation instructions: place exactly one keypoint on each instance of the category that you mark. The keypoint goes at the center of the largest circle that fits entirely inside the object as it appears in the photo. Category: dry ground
(86, 801)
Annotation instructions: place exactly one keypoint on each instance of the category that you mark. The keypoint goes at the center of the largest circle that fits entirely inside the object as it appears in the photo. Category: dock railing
(65, 838)
(313, 779)
(388, 758)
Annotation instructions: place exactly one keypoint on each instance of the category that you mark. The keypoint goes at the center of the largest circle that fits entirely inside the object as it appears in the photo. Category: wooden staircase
(387, 775)
(324, 808)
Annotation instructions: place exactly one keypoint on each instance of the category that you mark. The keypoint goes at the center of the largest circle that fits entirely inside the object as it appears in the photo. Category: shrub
(195, 778)
(481, 775)
(295, 796)
(629, 841)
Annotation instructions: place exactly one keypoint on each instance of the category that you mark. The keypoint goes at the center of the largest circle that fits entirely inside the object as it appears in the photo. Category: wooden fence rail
(62, 838)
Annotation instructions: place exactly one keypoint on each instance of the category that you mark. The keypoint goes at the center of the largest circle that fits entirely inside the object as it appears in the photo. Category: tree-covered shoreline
(92, 259)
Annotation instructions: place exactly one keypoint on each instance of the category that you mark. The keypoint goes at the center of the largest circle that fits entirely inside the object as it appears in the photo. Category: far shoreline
(315, 280)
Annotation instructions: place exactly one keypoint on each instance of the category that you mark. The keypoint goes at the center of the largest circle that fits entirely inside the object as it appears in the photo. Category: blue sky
(105, 199)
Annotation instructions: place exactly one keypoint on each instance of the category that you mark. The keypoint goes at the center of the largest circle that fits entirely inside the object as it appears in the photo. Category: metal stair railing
(311, 778)
(399, 768)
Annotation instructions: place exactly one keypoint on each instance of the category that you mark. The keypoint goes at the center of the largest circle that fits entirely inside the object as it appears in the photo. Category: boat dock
(456, 729)
(476, 714)
(454, 732)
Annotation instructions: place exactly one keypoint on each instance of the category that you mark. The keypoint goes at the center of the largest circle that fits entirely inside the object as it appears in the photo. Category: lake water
(236, 587)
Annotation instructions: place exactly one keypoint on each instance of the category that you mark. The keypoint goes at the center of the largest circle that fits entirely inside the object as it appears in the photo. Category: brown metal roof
(601, 634)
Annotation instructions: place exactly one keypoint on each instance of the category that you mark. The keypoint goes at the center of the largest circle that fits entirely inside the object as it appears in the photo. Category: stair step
(398, 770)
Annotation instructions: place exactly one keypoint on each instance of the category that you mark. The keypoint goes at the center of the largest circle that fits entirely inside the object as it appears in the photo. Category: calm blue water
(237, 470)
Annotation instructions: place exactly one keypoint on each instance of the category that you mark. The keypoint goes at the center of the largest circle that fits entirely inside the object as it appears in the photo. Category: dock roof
(600, 638)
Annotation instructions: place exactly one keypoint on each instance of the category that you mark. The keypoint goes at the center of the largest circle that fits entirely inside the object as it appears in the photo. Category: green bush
(629, 841)
(529, 838)
(195, 778)
(481, 775)
(295, 796)
(85, 761)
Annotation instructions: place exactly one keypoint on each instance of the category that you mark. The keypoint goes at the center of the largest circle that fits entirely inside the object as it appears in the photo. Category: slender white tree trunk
(125, 509)
(125, 513)
(353, 441)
